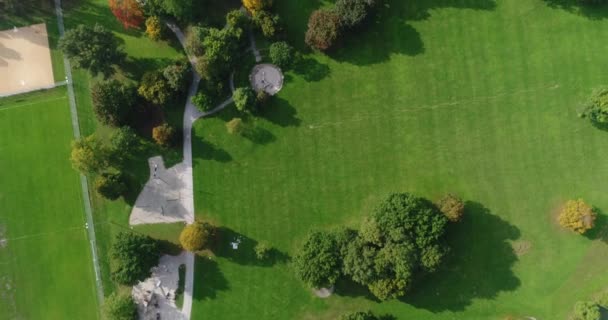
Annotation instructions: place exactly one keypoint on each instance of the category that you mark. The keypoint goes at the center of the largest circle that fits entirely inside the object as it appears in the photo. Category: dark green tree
(317, 262)
(267, 22)
(155, 88)
(281, 54)
(359, 315)
(112, 101)
(177, 76)
(353, 12)
(110, 184)
(95, 49)
(124, 144)
(132, 257)
(120, 306)
(596, 108)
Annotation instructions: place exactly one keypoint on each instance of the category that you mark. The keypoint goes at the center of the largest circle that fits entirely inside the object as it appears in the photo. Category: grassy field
(45, 266)
(479, 98)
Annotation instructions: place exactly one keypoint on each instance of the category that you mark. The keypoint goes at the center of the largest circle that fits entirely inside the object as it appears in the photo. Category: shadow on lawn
(600, 229)
(208, 151)
(591, 11)
(388, 32)
(209, 279)
(245, 254)
(280, 112)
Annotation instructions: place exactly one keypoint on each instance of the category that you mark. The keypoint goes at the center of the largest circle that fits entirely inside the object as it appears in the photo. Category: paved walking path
(83, 179)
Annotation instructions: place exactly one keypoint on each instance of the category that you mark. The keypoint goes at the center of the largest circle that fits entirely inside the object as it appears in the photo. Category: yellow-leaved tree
(577, 216)
(257, 5)
(196, 236)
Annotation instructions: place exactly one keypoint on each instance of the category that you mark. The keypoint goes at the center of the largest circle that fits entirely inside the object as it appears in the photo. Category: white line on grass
(30, 104)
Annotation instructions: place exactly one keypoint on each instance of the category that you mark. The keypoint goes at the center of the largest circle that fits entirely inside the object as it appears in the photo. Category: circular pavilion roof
(266, 77)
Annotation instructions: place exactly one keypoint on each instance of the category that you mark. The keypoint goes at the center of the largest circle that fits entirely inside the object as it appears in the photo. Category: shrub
(244, 100)
(163, 135)
(110, 184)
(262, 250)
(112, 102)
(585, 310)
(127, 12)
(133, 255)
(359, 315)
(353, 12)
(317, 262)
(237, 19)
(257, 5)
(235, 126)
(177, 76)
(452, 207)
(281, 54)
(89, 155)
(596, 109)
(120, 306)
(577, 216)
(202, 102)
(96, 49)
(196, 236)
(323, 29)
(154, 88)
(154, 28)
(268, 23)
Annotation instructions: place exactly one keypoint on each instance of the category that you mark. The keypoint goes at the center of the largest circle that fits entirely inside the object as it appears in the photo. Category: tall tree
(318, 261)
(128, 12)
(323, 29)
(133, 255)
(112, 101)
(95, 49)
(89, 155)
(120, 306)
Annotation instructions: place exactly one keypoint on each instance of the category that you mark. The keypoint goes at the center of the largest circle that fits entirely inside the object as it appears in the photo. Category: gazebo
(266, 77)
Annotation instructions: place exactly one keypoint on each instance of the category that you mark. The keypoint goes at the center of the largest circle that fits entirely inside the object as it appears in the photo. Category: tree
(323, 29)
(262, 250)
(133, 255)
(353, 12)
(112, 101)
(196, 236)
(596, 109)
(96, 49)
(235, 126)
(585, 310)
(244, 100)
(359, 315)
(88, 155)
(127, 12)
(281, 54)
(194, 40)
(110, 184)
(237, 19)
(125, 143)
(257, 5)
(221, 48)
(577, 216)
(154, 88)
(120, 306)
(452, 207)
(154, 28)
(182, 10)
(202, 102)
(177, 76)
(163, 135)
(268, 23)
(317, 262)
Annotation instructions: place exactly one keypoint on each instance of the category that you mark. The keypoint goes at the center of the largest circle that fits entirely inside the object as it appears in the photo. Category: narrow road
(83, 179)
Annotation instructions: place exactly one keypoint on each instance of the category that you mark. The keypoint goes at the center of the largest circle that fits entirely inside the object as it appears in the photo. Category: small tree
(155, 88)
(268, 23)
(596, 109)
(96, 49)
(452, 207)
(235, 126)
(112, 101)
(262, 250)
(110, 184)
(163, 135)
(133, 255)
(323, 29)
(353, 12)
(244, 100)
(194, 40)
(196, 236)
(281, 54)
(585, 310)
(202, 102)
(154, 28)
(177, 76)
(237, 19)
(317, 262)
(125, 143)
(127, 12)
(88, 155)
(359, 315)
(120, 306)
(577, 216)
(257, 5)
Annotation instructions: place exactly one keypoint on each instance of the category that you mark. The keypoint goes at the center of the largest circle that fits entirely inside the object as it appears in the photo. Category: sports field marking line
(42, 234)
(32, 103)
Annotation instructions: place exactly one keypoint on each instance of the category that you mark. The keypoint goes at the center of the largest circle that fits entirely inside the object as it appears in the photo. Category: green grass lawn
(479, 98)
(45, 268)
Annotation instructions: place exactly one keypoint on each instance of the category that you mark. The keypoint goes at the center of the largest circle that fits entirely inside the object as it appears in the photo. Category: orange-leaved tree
(257, 5)
(128, 12)
(577, 215)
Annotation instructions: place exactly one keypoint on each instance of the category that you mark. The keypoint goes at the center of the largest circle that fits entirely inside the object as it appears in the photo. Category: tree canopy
(128, 12)
(577, 216)
(196, 236)
(112, 101)
(96, 48)
(353, 12)
(155, 88)
(244, 99)
(120, 306)
(88, 155)
(323, 29)
(133, 255)
(281, 54)
(359, 315)
(110, 184)
(318, 262)
(596, 108)
(452, 207)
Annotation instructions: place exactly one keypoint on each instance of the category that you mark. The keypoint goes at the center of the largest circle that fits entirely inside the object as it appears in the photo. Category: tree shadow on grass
(310, 69)
(479, 266)
(134, 68)
(208, 279)
(208, 151)
(259, 135)
(245, 254)
(591, 11)
(600, 229)
(280, 112)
